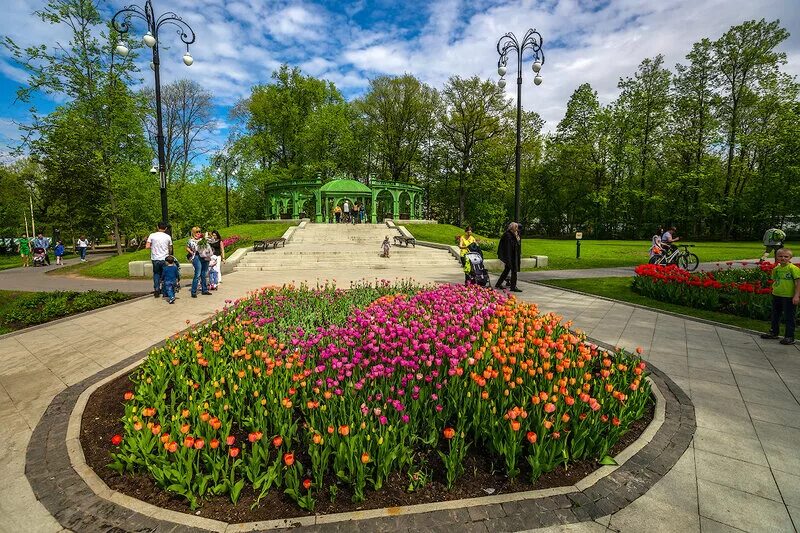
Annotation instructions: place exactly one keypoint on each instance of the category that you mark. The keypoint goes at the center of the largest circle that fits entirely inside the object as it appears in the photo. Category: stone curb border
(63, 489)
(644, 307)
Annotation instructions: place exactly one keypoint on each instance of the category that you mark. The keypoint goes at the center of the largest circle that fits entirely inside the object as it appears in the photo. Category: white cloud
(241, 42)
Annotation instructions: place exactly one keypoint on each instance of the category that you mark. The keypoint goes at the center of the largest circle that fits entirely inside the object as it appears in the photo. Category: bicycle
(683, 258)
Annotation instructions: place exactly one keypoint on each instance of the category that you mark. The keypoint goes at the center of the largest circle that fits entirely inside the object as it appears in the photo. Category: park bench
(405, 241)
(265, 244)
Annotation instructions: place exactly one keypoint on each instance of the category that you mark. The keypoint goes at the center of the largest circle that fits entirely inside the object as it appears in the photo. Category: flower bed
(739, 291)
(298, 390)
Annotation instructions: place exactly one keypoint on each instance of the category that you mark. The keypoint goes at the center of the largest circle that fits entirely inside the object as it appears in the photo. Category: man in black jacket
(510, 253)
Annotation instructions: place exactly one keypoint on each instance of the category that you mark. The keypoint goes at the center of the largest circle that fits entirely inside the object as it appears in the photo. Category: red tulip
(116, 440)
(306, 483)
(230, 440)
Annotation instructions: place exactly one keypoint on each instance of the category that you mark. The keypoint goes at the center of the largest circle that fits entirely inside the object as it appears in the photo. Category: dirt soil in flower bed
(101, 420)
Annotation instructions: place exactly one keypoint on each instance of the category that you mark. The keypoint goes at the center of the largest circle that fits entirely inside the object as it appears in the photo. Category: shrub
(40, 307)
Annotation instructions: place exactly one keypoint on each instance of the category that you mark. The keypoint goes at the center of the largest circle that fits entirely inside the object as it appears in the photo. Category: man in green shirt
(785, 296)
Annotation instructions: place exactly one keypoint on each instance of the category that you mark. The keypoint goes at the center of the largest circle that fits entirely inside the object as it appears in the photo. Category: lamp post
(121, 23)
(225, 164)
(508, 43)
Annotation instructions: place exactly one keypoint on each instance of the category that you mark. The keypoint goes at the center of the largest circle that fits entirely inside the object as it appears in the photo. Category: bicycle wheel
(688, 261)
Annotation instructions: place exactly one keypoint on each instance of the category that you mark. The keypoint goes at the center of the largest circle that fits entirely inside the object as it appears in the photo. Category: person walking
(337, 213)
(24, 250)
(199, 252)
(346, 209)
(59, 251)
(171, 275)
(463, 247)
(215, 240)
(509, 250)
(355, 213)
(785, 296)
(82, 245)
(160, 246)
(44, 243)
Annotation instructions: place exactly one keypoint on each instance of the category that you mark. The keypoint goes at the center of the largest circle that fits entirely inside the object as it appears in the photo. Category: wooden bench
(266, 243)
(405, 241)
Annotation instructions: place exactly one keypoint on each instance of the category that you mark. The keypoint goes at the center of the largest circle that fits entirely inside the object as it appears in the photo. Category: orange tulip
(277, 441)
(365, 458)
(288, 458)
(531, 436)
(449, 433)
(233, 452)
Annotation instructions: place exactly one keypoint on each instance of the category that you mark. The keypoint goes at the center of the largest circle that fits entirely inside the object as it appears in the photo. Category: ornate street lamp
(508, 43)
(121, 23)
(225, 165)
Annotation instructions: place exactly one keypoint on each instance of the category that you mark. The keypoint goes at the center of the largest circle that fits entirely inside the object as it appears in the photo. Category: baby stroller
(474, 270)
(39, 257)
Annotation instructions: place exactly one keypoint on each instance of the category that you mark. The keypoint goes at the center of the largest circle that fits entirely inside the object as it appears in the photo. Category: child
(785, 296)
(59, 252)
(170, 276)
(213, 273)
(385, 246)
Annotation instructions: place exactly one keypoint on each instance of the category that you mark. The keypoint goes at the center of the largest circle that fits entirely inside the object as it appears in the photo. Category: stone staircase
(333, 247)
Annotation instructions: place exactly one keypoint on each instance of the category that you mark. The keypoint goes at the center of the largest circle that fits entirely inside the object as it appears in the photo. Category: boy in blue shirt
(170, 277)
(59, 252)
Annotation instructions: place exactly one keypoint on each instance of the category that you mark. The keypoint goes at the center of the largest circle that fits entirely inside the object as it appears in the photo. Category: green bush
(29, 309)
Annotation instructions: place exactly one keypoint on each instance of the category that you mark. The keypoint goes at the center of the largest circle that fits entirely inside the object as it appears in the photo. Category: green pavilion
(316, 199)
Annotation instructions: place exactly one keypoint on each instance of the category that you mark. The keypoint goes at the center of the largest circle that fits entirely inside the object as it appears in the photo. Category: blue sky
(240, 42)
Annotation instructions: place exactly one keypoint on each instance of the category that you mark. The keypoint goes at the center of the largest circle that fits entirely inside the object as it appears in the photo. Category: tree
(744, 55)
(94, 143)
(187, 121)
(474, 113)
(401, 112)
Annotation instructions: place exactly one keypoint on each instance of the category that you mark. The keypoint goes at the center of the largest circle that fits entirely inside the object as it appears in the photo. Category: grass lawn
(620, 289)
(20, 310)
(594, 254)
(117, 266)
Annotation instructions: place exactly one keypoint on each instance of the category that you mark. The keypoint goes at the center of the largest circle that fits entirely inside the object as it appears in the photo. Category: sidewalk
(37, 279)
(742, 470)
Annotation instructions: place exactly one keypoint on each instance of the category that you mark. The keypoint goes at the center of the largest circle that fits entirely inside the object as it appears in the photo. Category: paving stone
(508, 524)
(484, 512)
(740, 509)
(736, 474)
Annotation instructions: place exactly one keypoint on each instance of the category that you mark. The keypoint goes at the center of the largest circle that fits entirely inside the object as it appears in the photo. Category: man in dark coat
(510, 253)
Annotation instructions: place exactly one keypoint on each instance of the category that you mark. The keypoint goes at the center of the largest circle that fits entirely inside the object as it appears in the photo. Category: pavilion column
(373, 207)
(295, 200)
(412, 197)
(318, 202)
(395, 205)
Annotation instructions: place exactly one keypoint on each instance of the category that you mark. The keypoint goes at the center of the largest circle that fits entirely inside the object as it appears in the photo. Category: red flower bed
(740, 291)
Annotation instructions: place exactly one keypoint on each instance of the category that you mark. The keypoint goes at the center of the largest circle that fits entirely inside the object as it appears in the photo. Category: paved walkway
(38, 279)
(742, 470)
